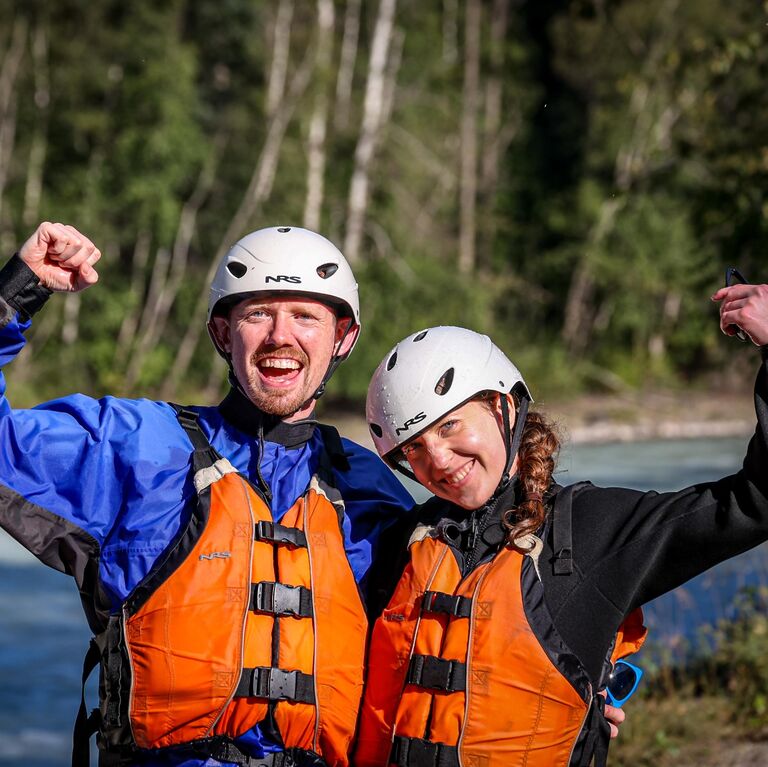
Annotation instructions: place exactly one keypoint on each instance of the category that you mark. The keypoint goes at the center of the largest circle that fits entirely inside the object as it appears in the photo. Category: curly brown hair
(536, 458)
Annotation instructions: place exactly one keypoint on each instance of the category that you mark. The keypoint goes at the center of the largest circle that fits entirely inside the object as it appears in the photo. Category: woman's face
(461, 457)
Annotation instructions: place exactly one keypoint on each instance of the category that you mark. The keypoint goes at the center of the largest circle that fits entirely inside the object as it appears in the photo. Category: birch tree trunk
(468, 164)
(450, 32)
(156, 312)
(8, 74)
(316, 154)
(347, 64)
(369, 132)
(281, 47)
(496, 137)
(259, 189)
(139, 261)
(34, 186)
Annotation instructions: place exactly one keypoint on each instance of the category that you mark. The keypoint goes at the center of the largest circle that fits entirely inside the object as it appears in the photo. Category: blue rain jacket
(99, 488)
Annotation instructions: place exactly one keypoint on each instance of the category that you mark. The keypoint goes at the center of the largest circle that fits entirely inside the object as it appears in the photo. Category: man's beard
(280, 404)
(276, 402)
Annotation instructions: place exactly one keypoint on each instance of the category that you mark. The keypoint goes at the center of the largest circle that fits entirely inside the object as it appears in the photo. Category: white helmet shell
(429, 374)
(284, 260)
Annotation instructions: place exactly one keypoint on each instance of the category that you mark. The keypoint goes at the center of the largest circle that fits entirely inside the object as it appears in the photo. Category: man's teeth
(454, 479)
(280, 362)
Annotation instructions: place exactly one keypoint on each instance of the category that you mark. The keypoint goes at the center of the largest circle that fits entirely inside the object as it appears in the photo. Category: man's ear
(221, 333)
(349, 339)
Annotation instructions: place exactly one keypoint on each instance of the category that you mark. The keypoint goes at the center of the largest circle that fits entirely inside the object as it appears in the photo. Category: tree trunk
(495, 141)
(155, 317)
(8, 75)
(347, 64)
(318, 122)
(468, 164)
(37, 152)
(369, 132)
(259, 189)
(281, 46)
(127, 334)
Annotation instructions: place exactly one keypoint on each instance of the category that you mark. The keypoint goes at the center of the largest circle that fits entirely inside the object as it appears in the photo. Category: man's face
(280, 350)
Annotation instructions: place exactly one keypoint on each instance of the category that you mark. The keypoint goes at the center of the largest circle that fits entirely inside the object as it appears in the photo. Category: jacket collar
(239, 411)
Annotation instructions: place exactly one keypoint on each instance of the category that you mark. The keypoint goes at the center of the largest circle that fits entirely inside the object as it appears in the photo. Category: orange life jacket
(239, 626)
(471, 671)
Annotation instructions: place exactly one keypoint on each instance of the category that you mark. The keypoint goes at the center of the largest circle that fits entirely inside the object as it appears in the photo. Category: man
(217, 550)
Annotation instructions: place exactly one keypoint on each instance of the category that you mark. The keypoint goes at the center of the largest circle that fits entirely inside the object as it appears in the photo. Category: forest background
(571, 176)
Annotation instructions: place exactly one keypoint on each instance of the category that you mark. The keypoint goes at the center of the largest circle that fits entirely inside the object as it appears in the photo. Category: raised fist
(61, 257)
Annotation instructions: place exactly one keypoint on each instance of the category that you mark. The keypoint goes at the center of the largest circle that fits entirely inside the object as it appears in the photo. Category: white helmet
(285, 259)
(429, 374)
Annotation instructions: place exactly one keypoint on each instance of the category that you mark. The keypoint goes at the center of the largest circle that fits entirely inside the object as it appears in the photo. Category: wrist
(20, 288)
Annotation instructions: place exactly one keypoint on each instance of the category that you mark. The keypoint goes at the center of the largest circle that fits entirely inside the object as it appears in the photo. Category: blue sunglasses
(622, 683)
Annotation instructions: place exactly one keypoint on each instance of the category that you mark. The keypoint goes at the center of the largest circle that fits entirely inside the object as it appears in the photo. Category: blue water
(43, 635)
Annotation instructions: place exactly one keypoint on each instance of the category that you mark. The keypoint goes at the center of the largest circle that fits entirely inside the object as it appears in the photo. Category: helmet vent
(327, 270)
(501, 383)
(375, 429)
(421, 336)
(392, 361)
(283, 229)
(236, 269)
(445, 382)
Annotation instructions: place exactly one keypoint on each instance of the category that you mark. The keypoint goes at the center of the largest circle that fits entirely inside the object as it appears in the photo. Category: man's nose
(280, 330)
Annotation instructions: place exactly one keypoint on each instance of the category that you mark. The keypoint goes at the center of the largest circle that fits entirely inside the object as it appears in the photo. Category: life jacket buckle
(279, 599)
(437, 673)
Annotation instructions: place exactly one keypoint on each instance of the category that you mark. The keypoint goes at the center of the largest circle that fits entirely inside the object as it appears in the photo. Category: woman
(499, 633)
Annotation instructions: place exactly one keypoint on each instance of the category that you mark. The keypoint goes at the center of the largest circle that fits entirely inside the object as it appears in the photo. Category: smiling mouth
(452, 480)
(279, 369)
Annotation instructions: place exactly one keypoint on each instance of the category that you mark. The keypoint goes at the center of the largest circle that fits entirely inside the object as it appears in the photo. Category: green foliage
(626, 167)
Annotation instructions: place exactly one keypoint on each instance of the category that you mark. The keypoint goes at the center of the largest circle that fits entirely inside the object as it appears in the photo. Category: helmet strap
(336, 360)
(512, 440)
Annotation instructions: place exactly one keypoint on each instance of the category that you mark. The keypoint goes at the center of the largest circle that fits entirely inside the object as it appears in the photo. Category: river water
(43, 635)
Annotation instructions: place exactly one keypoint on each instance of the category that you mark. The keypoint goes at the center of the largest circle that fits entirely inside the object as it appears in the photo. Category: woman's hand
(61, 257)
(747, 307)
(614, 716)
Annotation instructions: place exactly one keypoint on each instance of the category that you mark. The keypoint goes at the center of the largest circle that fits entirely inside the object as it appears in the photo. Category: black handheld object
(734, 277)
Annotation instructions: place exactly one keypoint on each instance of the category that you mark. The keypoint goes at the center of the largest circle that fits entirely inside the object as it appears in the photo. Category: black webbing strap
(415, 752)
(334, 447)
(222, 749)
(598, 735)
(437, 673)
(279, 599)
(451, 604)
(204, 455)
(230, 753)
(86, 724)
(276, 684)
(274, 533)
(562, 538)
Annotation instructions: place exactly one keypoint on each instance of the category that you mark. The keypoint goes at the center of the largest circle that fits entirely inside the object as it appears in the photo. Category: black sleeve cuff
(21, 289)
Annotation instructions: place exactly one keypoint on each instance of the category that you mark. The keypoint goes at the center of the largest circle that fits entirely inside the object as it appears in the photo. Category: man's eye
(409, 450)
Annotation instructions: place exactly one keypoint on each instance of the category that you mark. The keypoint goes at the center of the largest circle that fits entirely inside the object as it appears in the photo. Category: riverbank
(627, 417)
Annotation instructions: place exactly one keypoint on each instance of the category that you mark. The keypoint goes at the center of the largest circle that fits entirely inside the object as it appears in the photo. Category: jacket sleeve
(374, 499)
(57, 477)
(653, 542)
